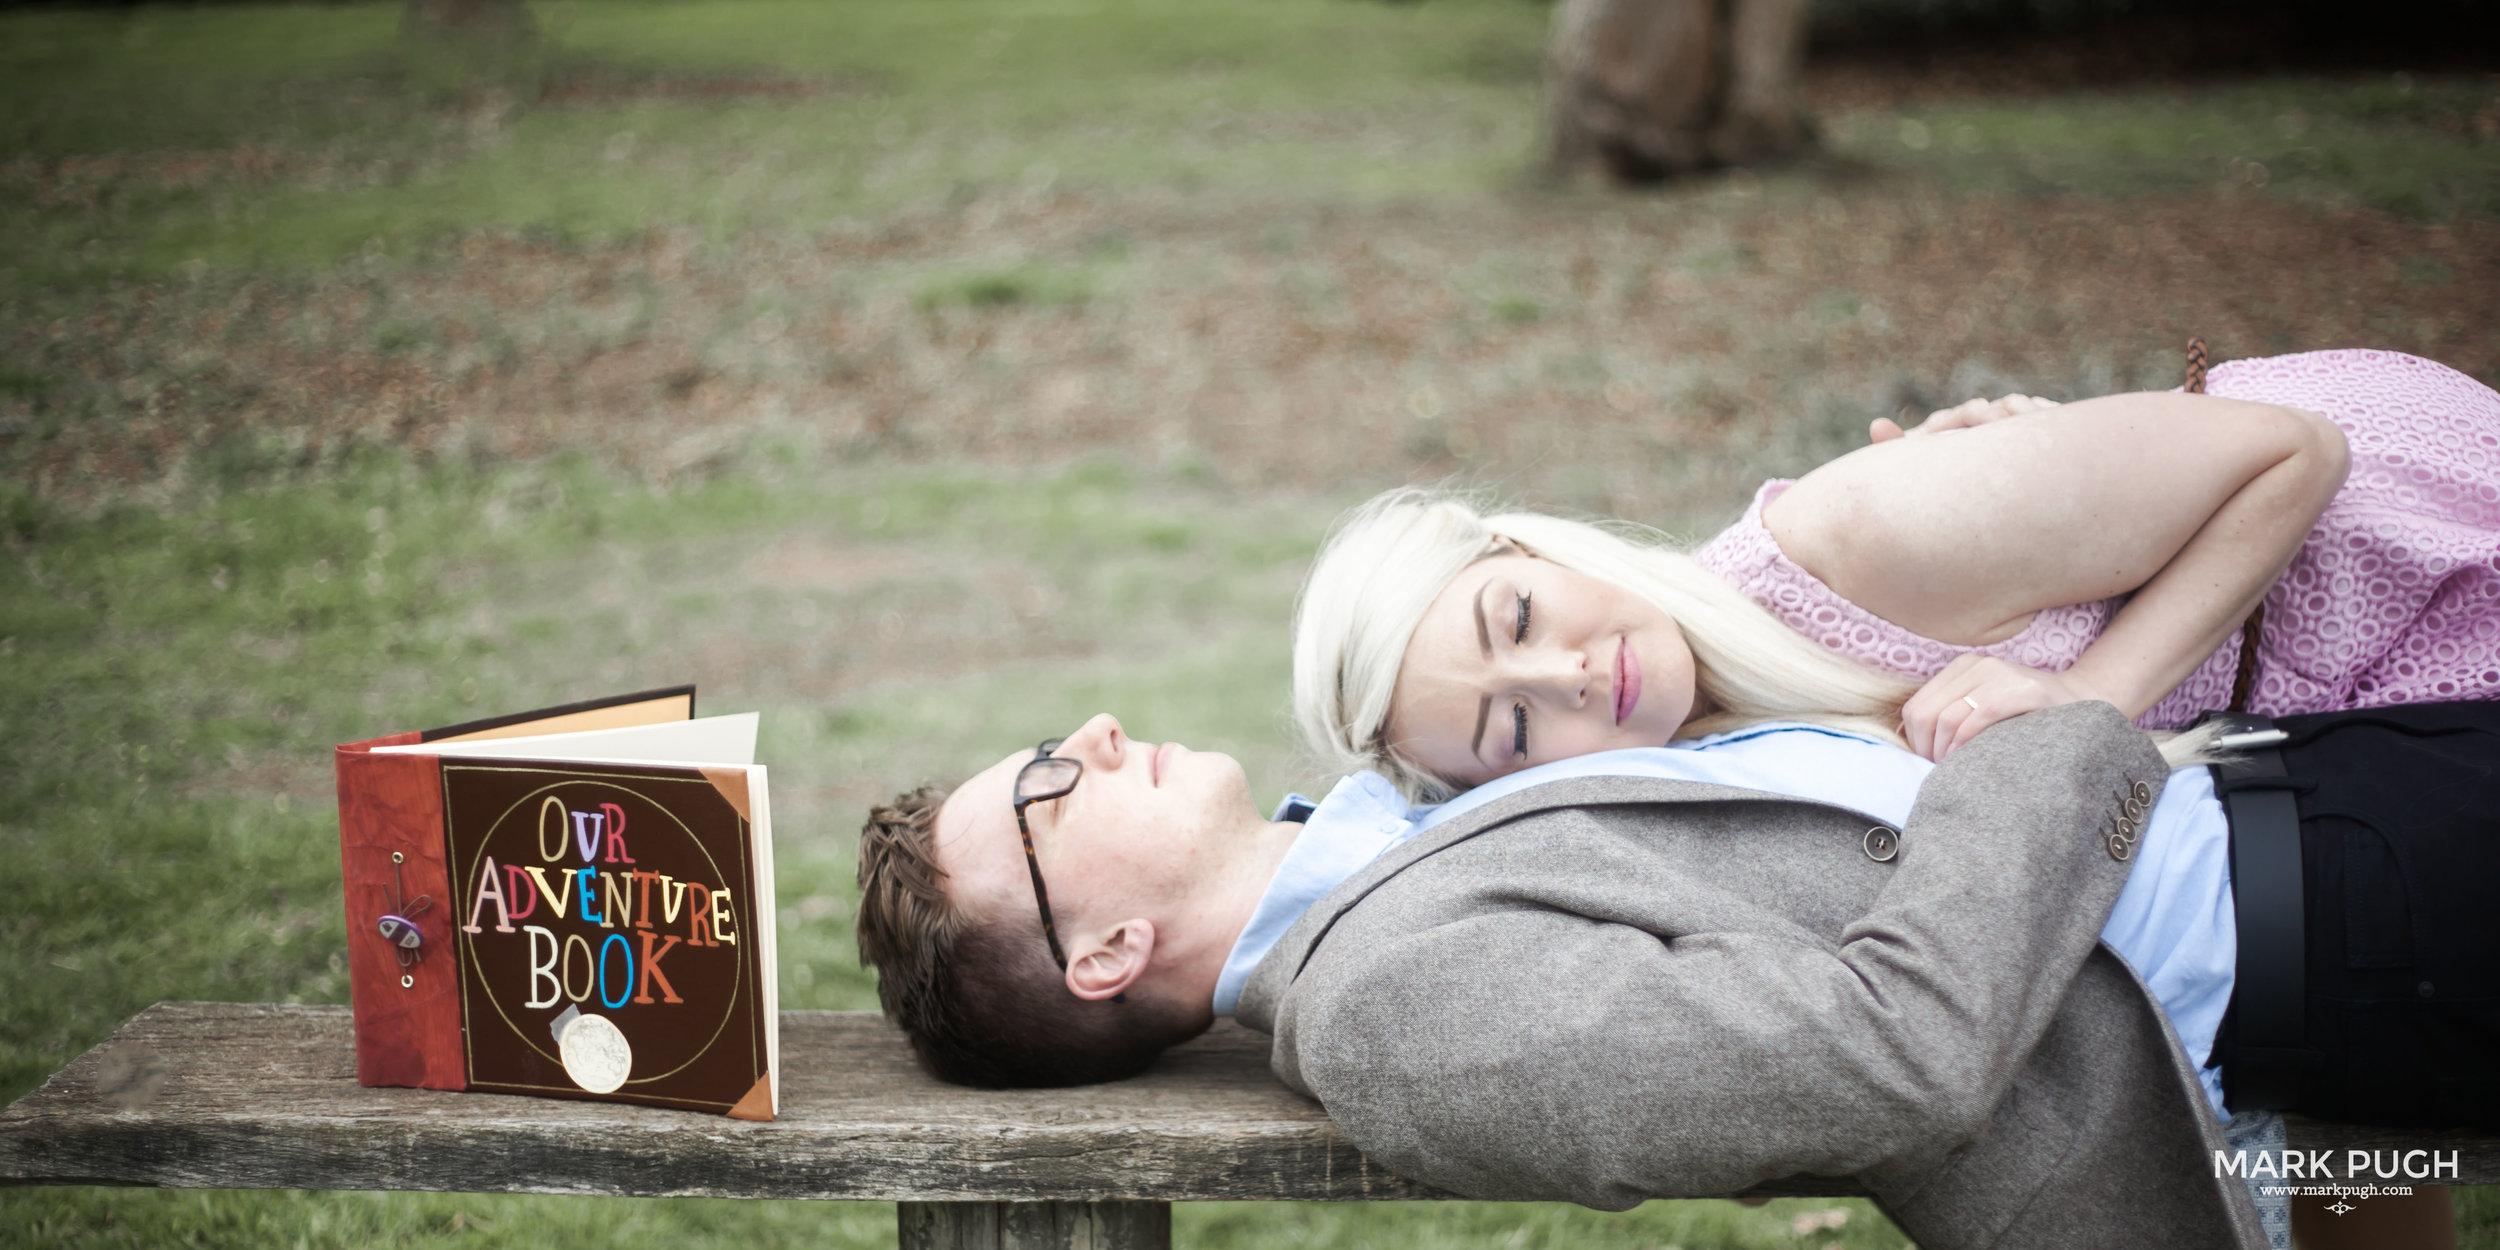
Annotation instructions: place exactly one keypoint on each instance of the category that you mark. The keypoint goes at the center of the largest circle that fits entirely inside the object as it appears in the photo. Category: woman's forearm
(2166, 629)
(2191, 503)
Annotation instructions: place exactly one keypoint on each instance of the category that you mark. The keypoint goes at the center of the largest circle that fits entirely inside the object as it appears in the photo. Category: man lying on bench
(1679, 972)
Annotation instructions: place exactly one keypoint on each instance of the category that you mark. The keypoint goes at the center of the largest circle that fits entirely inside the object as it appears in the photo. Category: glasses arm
(1041, 893)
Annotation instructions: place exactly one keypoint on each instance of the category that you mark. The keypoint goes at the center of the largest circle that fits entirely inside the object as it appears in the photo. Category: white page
(707, 740)
(760, 822)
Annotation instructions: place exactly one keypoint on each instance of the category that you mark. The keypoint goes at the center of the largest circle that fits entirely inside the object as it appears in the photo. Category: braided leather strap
(2195, 367)
(2247, 677)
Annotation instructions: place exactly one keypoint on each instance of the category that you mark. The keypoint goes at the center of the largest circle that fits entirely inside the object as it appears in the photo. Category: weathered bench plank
(241, 1096)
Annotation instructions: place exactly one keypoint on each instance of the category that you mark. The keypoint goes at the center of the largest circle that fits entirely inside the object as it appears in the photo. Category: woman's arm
(2193, 502)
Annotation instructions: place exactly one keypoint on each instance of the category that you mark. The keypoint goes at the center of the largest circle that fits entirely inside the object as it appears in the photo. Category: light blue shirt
(2173, 922)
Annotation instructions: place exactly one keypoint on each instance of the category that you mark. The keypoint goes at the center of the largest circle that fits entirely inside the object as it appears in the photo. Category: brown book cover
(571, 903)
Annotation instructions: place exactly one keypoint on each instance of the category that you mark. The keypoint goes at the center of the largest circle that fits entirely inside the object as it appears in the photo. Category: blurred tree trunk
(466, 19)
(1653, 88)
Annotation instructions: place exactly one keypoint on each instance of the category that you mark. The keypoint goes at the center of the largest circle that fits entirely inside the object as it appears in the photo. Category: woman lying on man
(2003, 558)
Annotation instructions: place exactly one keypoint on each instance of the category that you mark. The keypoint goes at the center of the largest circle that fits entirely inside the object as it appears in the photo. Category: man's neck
(1207, 924)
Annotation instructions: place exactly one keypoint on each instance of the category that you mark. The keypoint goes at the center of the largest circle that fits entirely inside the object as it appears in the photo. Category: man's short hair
(981, 1001)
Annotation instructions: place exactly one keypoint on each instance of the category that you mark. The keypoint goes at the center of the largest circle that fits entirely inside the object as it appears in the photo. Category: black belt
(2268, 1050)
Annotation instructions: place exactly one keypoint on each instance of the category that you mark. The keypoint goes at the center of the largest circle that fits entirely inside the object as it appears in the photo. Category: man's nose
(1099, 741)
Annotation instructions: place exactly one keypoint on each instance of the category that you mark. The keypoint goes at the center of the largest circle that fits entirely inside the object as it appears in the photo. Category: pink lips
(1161, 754)
(1627, 681)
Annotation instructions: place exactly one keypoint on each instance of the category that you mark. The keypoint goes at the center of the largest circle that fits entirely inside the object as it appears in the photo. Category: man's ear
(1105, 967)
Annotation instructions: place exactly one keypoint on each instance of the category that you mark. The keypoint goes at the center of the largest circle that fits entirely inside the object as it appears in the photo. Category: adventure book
(575, 902)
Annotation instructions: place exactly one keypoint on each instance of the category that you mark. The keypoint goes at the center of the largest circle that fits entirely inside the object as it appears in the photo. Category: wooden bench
(243, 1096)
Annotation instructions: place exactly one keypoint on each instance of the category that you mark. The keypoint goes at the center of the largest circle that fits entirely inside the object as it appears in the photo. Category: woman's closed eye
(1519, 711)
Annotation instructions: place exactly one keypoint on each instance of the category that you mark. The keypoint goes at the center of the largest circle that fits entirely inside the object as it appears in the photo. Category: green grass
(2392, 143)
(917, 105)
(993, 288)
(312, 136)
(66, 1219)
(151, 79)
(62, 1219)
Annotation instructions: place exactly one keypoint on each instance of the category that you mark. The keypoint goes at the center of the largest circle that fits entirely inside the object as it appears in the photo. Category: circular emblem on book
(596, 1054)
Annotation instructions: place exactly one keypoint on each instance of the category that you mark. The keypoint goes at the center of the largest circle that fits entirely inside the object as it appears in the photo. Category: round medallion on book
(596, 1054)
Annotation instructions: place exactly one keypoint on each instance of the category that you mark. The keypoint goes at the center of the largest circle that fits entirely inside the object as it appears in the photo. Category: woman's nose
(1553, 671)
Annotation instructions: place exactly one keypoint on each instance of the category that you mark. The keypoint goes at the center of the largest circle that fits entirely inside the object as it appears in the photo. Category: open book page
(648, 707)
(709, 740)
(768, 925)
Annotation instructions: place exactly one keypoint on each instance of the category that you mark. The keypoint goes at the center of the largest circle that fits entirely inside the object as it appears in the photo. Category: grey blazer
(1612, 989)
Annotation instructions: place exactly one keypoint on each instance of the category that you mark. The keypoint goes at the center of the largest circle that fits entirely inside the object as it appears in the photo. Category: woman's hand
(1971, 413)
(1974, 692)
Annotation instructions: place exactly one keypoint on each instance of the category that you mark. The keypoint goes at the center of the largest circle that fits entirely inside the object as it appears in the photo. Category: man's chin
(1226, 786)
(1237, 788)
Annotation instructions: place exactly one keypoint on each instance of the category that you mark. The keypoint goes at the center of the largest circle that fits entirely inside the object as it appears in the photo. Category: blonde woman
(2002, 558)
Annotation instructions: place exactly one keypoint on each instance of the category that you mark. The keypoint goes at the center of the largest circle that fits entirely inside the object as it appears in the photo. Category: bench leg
(1033, 1225)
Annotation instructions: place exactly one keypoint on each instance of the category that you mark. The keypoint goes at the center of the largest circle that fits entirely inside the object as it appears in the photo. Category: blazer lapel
(1276, 973)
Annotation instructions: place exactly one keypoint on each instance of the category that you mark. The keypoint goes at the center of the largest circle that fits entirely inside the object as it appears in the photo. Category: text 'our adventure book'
(575, 902)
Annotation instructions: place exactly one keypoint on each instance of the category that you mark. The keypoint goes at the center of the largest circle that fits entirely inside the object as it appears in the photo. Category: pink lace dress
(2394, 598)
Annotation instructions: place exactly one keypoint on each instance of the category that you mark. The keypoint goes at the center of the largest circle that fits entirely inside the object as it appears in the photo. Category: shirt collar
(1362, 817)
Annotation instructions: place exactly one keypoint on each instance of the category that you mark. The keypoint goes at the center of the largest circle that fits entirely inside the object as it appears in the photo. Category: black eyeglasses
(1045, 778)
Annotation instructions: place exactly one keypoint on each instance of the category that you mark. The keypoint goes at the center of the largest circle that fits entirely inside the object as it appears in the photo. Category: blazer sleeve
(1532, 1052)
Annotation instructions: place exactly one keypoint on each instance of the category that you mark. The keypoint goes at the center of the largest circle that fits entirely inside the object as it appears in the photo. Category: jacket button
(1882, 844)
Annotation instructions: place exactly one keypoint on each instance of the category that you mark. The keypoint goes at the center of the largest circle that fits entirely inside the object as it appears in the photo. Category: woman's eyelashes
(1519, 711)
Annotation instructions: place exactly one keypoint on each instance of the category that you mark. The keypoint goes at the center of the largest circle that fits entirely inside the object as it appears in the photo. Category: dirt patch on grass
(810, 562)
(85, 179)
(610, 87)
(1611, 351)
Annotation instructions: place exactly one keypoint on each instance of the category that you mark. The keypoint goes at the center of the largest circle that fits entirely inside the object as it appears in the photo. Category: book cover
(568, 903)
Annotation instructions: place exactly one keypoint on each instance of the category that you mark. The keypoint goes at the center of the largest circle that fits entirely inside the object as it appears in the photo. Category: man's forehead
(991, 788)
(976, 830)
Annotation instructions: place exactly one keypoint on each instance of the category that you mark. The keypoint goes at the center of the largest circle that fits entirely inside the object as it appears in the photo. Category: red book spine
(407, 1018)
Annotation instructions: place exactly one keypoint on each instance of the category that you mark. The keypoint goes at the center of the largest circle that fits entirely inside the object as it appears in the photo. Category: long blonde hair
(1386, 561)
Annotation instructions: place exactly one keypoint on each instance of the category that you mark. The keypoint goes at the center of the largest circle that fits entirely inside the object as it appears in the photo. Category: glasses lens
(1047, 779)
(1049, 747)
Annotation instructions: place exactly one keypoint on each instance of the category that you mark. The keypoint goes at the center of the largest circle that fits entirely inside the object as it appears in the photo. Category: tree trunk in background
(1654, 88)
(468, 19)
